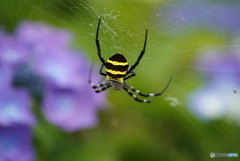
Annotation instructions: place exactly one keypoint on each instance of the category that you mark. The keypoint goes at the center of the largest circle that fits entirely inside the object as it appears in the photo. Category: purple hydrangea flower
(215, 15)
(42, 39)
(6, 75)
(70, 109)
(217, 99)
(12, 52)
(15, 107)
(36, 62)
(42, 58)
(16, 144)
(64, 70)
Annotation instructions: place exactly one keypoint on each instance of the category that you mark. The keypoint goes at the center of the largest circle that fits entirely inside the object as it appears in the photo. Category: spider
(118, 71)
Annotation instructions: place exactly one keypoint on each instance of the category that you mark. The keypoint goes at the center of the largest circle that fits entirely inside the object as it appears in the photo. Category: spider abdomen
(116, 67)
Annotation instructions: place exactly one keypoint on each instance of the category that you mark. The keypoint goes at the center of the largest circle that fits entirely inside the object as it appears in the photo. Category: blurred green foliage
(127, 130)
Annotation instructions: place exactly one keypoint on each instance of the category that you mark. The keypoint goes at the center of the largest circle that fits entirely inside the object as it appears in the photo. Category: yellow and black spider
(117, 72)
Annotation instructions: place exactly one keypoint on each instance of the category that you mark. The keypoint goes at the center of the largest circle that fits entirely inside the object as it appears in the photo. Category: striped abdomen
(116, 67)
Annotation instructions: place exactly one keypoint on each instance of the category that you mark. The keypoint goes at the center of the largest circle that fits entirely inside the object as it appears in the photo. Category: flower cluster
(36, 64)
(218, 97)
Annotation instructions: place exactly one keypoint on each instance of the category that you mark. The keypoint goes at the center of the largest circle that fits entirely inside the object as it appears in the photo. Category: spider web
(179, 34)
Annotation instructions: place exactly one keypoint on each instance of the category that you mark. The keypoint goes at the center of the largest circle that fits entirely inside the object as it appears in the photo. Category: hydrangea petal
(67, 69)
(207, 104)
(15, 144)
(39, 36)
(15, 107)
(5, 77)
(13, 52)
(216, 100)
(71, 110)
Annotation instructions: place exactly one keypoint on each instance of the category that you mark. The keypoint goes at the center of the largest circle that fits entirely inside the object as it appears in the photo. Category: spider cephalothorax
(118, 71)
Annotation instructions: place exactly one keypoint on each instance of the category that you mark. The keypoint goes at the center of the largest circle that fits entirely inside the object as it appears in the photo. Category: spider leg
(134, 96)
(130, 76)
(103, 89)
(141, 54)
(101, 72)
(104, 85)
(97, 43)
(94, 86)
(150, 94)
